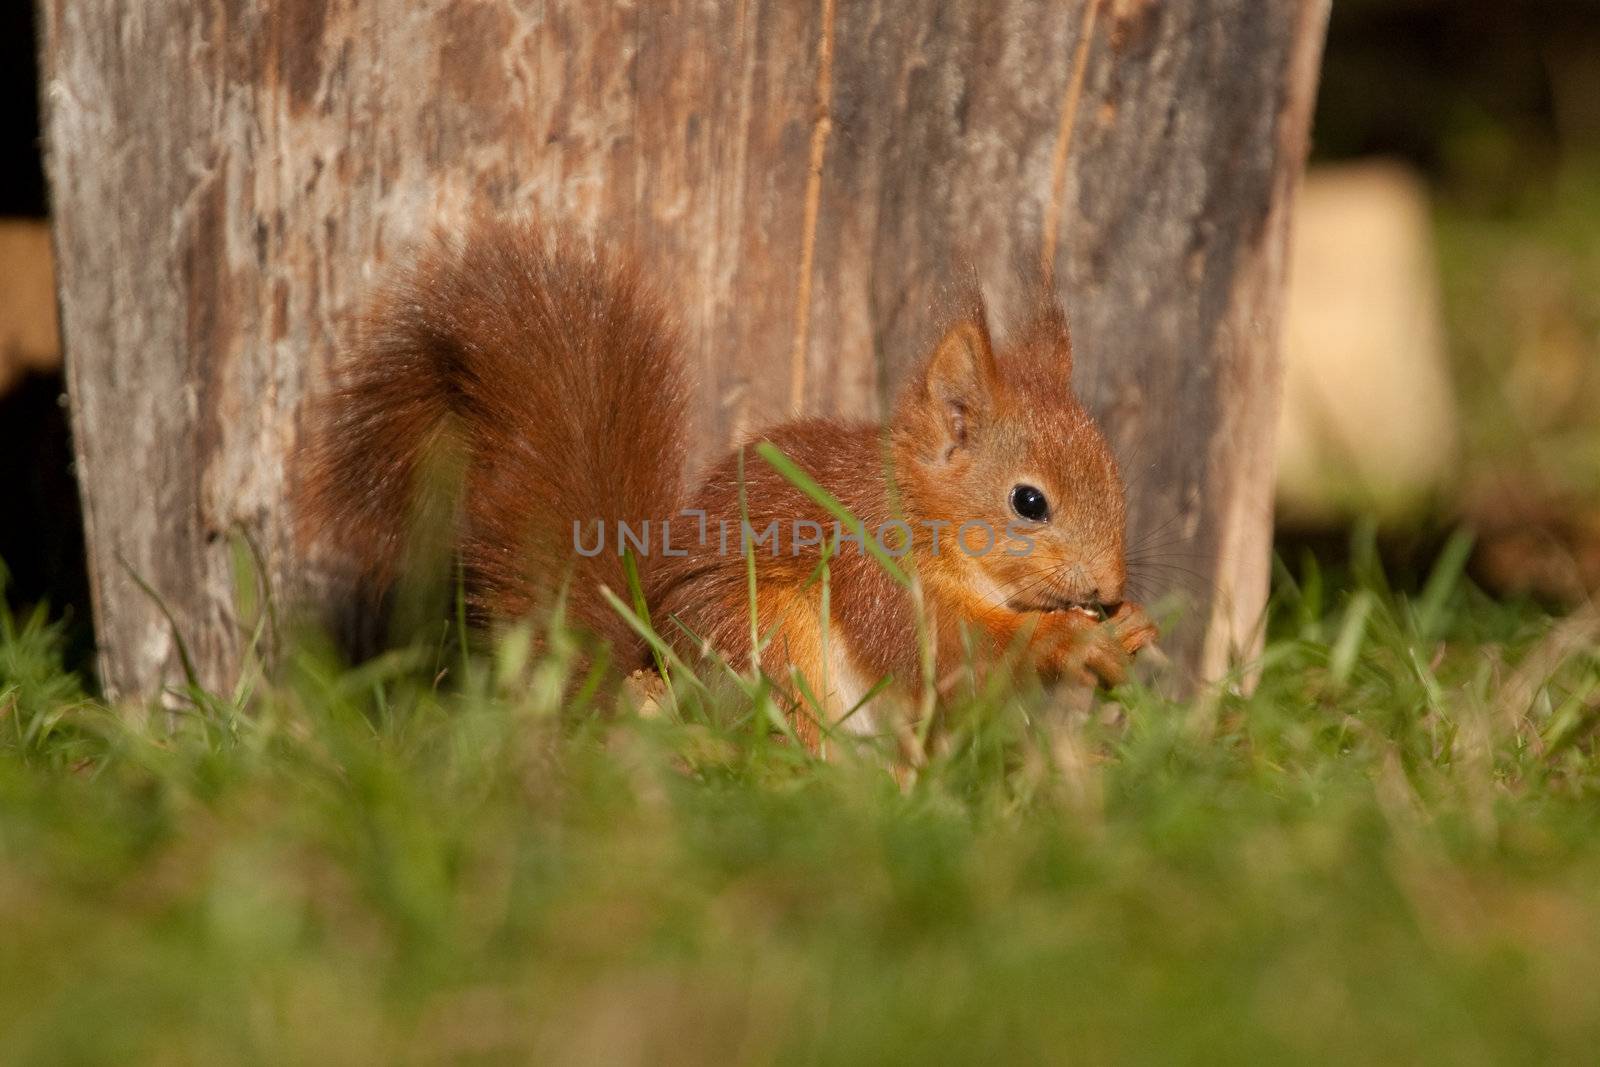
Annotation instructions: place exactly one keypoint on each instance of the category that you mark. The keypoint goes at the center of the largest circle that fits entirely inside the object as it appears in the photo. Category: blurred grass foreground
(1388, 850)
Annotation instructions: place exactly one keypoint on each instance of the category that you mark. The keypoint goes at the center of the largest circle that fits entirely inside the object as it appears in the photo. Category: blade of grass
(748, 550)
(651, 638)
(808, 485)
(1442, 583)
(196, 694)
(1347, 646)
(630, 567)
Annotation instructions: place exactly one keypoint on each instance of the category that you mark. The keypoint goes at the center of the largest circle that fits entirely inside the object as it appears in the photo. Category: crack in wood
(820, 129)
(1049, 239)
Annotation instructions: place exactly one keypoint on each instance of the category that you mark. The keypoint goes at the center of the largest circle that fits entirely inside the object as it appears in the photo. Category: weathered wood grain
(227, 178)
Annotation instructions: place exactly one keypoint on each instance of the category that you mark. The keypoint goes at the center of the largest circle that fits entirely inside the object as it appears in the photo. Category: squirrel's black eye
(1030, 503)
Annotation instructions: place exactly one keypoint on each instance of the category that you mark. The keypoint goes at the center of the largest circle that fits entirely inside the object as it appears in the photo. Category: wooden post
(228, 177)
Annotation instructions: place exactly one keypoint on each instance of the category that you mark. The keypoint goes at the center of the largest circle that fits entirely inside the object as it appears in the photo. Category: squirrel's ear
(962, 379)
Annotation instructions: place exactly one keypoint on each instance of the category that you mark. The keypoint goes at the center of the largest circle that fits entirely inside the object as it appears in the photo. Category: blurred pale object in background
(29, 340)
(1368, 424)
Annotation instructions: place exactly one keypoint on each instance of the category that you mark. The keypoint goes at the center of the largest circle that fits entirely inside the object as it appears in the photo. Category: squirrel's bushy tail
(545, 375)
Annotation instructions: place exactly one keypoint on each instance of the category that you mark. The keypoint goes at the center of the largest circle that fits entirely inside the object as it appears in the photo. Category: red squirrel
(555, 372)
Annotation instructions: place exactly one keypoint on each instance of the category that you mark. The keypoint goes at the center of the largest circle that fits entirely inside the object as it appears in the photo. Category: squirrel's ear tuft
(1054, 335)
(962, 379)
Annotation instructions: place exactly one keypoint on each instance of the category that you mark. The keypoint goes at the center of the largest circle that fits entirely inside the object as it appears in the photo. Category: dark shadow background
(41, 538)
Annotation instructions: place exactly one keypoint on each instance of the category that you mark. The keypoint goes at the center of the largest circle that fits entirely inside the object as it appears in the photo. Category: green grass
(1389, 850)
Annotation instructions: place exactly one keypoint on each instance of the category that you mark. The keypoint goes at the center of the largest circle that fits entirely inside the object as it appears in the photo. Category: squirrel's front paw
(1102, 654)
(1132, 627)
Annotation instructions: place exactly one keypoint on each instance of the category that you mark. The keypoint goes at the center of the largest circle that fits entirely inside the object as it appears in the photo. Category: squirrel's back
(541, 372)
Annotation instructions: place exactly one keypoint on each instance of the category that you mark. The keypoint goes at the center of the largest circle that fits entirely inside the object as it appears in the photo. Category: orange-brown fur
(556, 373)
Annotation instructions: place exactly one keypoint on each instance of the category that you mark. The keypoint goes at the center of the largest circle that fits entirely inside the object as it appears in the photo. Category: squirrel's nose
(1109, 597)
